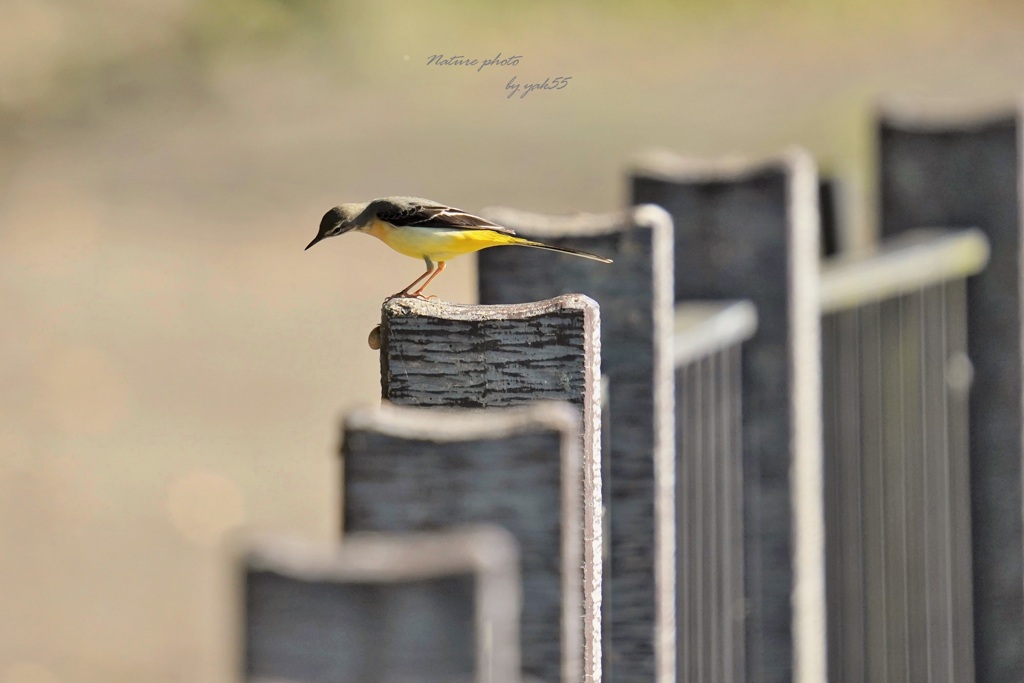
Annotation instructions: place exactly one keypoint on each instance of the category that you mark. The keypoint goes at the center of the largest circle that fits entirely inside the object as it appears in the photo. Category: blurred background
(173, 366)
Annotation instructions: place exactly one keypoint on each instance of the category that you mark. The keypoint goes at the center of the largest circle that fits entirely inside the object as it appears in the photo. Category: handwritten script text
(461, 60)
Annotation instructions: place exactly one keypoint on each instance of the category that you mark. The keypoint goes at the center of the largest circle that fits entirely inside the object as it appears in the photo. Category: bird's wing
(423, 213)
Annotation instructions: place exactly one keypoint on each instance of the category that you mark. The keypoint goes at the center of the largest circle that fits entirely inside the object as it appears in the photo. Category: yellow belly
(435, 243)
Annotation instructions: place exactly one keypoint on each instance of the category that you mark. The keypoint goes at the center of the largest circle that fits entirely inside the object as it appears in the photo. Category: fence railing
(844, 434)
(896, 378)
(710, 604)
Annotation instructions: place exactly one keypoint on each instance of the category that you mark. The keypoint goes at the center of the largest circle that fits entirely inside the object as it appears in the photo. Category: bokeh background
(173, 366)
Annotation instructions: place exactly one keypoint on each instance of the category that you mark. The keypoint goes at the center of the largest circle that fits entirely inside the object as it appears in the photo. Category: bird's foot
(410, 295)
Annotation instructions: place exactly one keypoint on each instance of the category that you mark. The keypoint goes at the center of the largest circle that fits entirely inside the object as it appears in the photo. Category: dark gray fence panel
(751, 231)
(709, 483)
(844, 491)
(635, 294)
(953, 171)
(409, 469)
(452, 355)
(439, 607)
(897, 509)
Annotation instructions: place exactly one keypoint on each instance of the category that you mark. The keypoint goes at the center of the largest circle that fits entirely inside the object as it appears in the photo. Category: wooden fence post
(435, 607)
(635, 294)
(451, 355)
(412, 469)
(751, 231)
(950, 171)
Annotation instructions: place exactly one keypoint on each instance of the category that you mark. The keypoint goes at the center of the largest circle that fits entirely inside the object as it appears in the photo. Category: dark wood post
(751, 231)
(451, 355)
(412, 469)
(635, 294)
(957, 171)
(436, 607)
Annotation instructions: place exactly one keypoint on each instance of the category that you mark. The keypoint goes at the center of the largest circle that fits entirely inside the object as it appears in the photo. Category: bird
(422, 228)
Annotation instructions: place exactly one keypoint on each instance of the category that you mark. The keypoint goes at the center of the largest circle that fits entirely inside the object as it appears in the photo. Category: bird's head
(338, 221)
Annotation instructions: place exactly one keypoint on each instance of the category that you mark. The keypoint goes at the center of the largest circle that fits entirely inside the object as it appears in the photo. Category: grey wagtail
(425, 229)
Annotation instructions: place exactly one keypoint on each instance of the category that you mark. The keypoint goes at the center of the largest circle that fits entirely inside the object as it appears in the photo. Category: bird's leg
(419, 292)
(405, 291)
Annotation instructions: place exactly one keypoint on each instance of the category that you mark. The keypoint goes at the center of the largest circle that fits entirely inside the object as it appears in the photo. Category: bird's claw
(410, 295)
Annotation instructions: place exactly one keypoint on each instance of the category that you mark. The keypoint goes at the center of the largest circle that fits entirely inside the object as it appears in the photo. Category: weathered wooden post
(635, 293)
(953, 170)
(450, 355)
(435, 607)
(750, 231)
(408, 469)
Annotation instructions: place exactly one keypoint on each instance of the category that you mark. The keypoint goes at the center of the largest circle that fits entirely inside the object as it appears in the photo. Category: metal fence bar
(688, 557)
(873, 449)
(959, 378)
(939, 169)
(937, 527)
(733, 602)
(891, 482)
(832, 483)
(849, 481)
(912, 352)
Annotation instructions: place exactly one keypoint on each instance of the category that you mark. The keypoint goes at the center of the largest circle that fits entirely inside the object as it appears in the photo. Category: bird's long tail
(564, 250)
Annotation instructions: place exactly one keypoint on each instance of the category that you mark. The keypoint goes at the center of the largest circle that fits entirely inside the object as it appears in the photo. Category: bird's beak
(331, 233)
(315, 240)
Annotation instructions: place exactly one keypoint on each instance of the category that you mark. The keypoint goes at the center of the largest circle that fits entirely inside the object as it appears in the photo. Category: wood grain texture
(436, 607)
(411, 469)
(749, 230)
(635, 294)
(448, 355)
(951, 170)
(454, 355)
